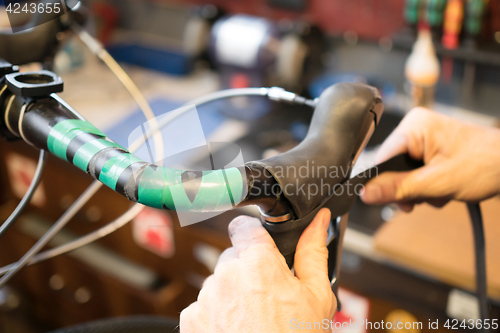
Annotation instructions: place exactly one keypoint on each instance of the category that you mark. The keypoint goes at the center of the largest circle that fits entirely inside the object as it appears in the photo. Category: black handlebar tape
(342, 120)
(286, 234)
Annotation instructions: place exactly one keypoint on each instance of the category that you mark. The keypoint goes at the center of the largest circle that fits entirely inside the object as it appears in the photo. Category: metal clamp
(34, 84)
(275, 219)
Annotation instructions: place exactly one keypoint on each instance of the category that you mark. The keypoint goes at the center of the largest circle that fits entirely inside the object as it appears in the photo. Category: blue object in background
(299, 130)
(246, 108)
(166, 61)
(183, 134)
(209, 115)
(318, 85)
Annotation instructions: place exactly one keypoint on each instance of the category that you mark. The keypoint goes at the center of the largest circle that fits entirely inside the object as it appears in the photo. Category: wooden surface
(439, 243)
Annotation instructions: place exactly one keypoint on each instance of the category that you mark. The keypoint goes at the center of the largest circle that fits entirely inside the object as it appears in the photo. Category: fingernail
(239, 220)
(235, 223)
(372, 193)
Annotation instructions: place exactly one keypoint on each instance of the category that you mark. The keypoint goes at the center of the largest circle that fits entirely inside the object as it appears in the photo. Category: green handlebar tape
(164, 188)
(114, 167)
(152, 191)
(63, 132)
(213, 194)
(159, 187)
(88, 150)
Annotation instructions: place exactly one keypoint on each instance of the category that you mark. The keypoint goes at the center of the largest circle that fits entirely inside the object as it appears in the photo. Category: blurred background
(443, 54)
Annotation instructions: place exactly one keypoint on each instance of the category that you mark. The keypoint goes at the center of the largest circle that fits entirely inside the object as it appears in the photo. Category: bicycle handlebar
(340, 124)
(343, 121)
(49, 124)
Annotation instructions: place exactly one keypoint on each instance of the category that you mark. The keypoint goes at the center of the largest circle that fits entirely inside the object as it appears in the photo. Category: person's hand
(253, 290)
(462, 162)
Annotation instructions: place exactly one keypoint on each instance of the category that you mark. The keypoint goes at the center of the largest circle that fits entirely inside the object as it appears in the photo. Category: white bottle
(422, 70)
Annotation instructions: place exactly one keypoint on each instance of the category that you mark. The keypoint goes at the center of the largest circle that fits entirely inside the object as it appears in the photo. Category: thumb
(311, 256)
(424, 183)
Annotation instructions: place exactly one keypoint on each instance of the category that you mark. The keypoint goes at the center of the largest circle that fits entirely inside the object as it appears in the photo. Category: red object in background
(153, 230)
(447, 70)
(423, 25)
(354, 308)
(107, 16)
(370, 19)
(239, 80)
(494, 16)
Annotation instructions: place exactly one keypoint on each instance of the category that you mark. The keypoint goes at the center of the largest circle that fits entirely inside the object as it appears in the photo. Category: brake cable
(9, 222)
(480, 261)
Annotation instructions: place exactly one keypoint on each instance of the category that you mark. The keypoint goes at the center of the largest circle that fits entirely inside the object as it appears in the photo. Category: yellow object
(402, 321)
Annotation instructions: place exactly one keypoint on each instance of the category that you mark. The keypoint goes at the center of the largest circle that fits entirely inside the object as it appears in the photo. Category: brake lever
(286, 234)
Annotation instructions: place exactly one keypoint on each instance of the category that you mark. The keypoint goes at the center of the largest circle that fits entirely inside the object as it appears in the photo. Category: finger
(424, 183)
(245, 231)
(408, 137)
(226, 256)
(395, 144)
(311, 256)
